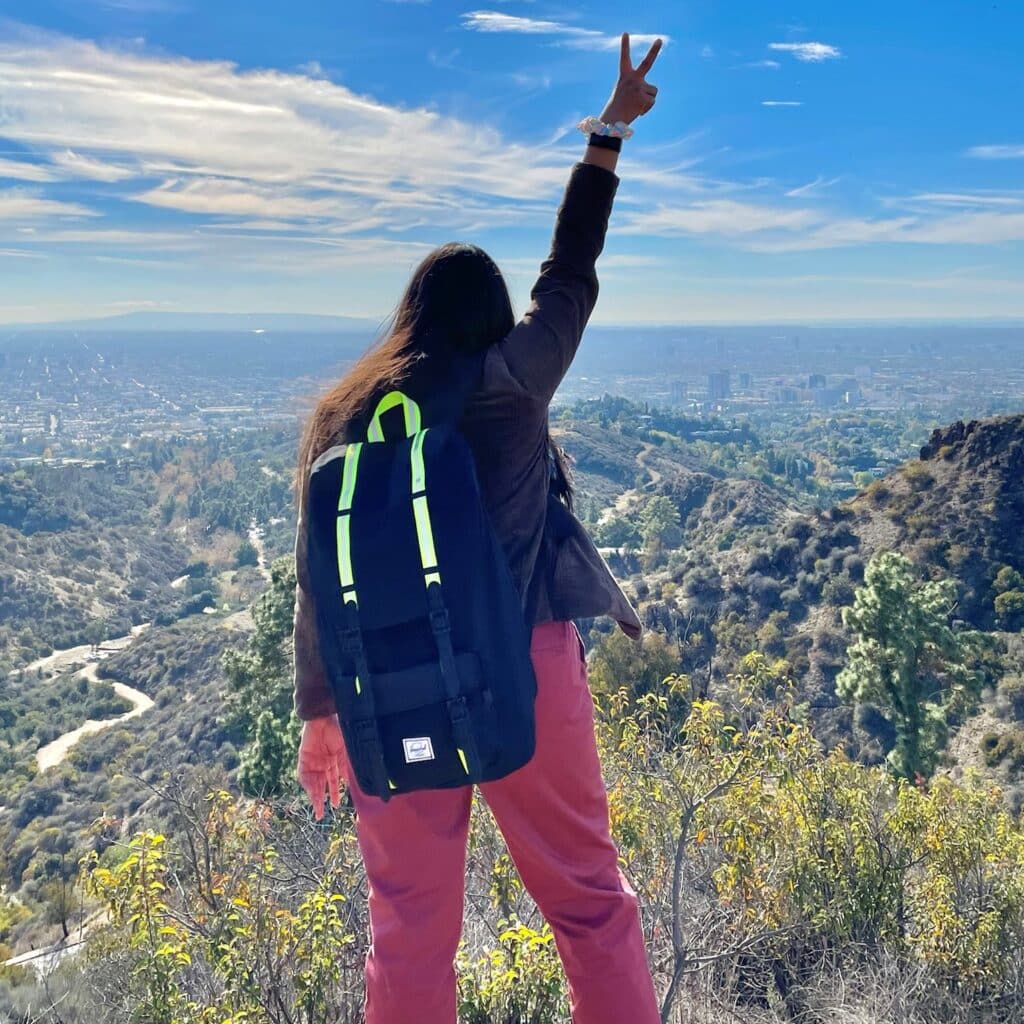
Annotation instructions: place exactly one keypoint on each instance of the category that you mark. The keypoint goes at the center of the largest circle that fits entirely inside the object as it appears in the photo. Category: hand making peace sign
(632, 95)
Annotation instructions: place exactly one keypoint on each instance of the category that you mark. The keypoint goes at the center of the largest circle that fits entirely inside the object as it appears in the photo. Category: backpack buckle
(458, 716)
(367, 737)
(439, 620)
(351, 640)
(457, 711)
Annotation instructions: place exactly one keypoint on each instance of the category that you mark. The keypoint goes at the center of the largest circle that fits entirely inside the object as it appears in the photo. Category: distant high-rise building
(718, 385)
(816, 380)
(746, 380)
(678, 392)
(825, 398)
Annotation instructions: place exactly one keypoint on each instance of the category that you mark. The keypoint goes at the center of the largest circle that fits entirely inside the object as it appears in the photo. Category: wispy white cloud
(21, 171)
(811, 188)
(258, 166)
(100, 238)
(772, 227)
(812, 53)
(972, 228)
(496, 21)
(79, 166)
(772, 65)
(22, 205)
(725, 217)
(528, 80)
(782, 103)
(1015, 152)
(968, 199)
(443, 58)
(231, 197)
(208, 137)
(569, 35)
(621, 260)
(965, 280)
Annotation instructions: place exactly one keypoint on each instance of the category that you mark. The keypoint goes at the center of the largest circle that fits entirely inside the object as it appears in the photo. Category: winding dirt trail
(43, 960)
(628, 500)
(54, 752)
(256, 539)
(641, 460)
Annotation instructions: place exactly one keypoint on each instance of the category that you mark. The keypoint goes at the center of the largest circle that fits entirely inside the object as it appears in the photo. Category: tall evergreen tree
(260, 688)
(908, 660)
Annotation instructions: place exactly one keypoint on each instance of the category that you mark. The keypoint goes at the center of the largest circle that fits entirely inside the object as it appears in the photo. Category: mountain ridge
(144, 320)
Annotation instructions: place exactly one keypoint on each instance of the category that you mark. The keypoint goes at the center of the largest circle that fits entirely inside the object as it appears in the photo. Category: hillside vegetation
(798, 858)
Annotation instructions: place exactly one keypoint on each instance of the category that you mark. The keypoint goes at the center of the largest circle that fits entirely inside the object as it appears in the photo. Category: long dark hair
(456, 302)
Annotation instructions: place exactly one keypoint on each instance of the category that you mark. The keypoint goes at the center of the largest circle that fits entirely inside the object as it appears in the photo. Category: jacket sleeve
(540, 348)
(312, 695)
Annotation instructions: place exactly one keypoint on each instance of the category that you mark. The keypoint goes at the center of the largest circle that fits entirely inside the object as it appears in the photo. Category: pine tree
(660, 524)
(1009, 600)
(260, 688)
(908, 660)
(267, 764)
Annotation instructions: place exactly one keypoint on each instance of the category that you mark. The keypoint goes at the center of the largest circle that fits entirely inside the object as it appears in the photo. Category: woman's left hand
(321, 754)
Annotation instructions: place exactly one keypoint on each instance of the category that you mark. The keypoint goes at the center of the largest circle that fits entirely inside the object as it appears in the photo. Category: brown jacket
(550, 554)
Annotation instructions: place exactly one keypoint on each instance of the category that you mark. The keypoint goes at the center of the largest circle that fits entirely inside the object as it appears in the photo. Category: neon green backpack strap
(389, 402)
(421, 512)
(348, 489)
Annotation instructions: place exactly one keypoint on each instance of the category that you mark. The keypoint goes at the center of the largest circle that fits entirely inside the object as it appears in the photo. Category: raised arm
(540, 348)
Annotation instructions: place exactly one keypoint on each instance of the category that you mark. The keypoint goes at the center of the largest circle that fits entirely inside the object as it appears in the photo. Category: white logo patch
(418, 749)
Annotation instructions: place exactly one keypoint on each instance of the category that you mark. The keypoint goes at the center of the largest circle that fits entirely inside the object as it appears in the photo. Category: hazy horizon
(334, 321)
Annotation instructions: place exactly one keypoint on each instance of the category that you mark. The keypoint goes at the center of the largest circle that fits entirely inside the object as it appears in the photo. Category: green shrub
(1007, 747)
(1011, 694)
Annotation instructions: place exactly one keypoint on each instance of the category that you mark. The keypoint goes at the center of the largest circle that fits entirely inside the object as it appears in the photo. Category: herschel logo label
(418, 749)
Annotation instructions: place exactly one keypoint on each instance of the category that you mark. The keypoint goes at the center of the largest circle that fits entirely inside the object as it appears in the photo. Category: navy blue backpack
(420, 624)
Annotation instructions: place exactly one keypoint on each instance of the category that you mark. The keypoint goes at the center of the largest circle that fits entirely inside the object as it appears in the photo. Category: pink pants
(553, 813)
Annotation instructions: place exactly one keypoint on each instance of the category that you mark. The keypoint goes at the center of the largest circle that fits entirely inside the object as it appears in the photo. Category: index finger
(625, 64)
(333, 784)
(648, 62)
(314, 783)
(317, 799)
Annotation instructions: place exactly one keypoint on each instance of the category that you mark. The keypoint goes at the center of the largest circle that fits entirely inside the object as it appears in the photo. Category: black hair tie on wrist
(606, 141)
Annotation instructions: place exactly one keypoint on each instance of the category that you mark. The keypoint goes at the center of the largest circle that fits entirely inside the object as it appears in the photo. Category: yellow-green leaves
(218, 932)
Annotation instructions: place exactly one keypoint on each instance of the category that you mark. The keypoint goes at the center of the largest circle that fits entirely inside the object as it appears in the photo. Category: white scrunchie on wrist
(595, 126)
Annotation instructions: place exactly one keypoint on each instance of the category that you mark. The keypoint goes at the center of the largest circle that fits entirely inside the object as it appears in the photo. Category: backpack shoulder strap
(392, 400)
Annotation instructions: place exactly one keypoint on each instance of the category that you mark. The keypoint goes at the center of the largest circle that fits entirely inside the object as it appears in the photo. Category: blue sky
(804, 161)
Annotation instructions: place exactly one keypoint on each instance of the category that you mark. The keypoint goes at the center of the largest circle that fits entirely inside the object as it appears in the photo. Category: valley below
(171, 684)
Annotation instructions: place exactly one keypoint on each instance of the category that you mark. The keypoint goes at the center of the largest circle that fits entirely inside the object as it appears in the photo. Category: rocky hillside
(59, 575)
(957, 510)
(103, 789)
